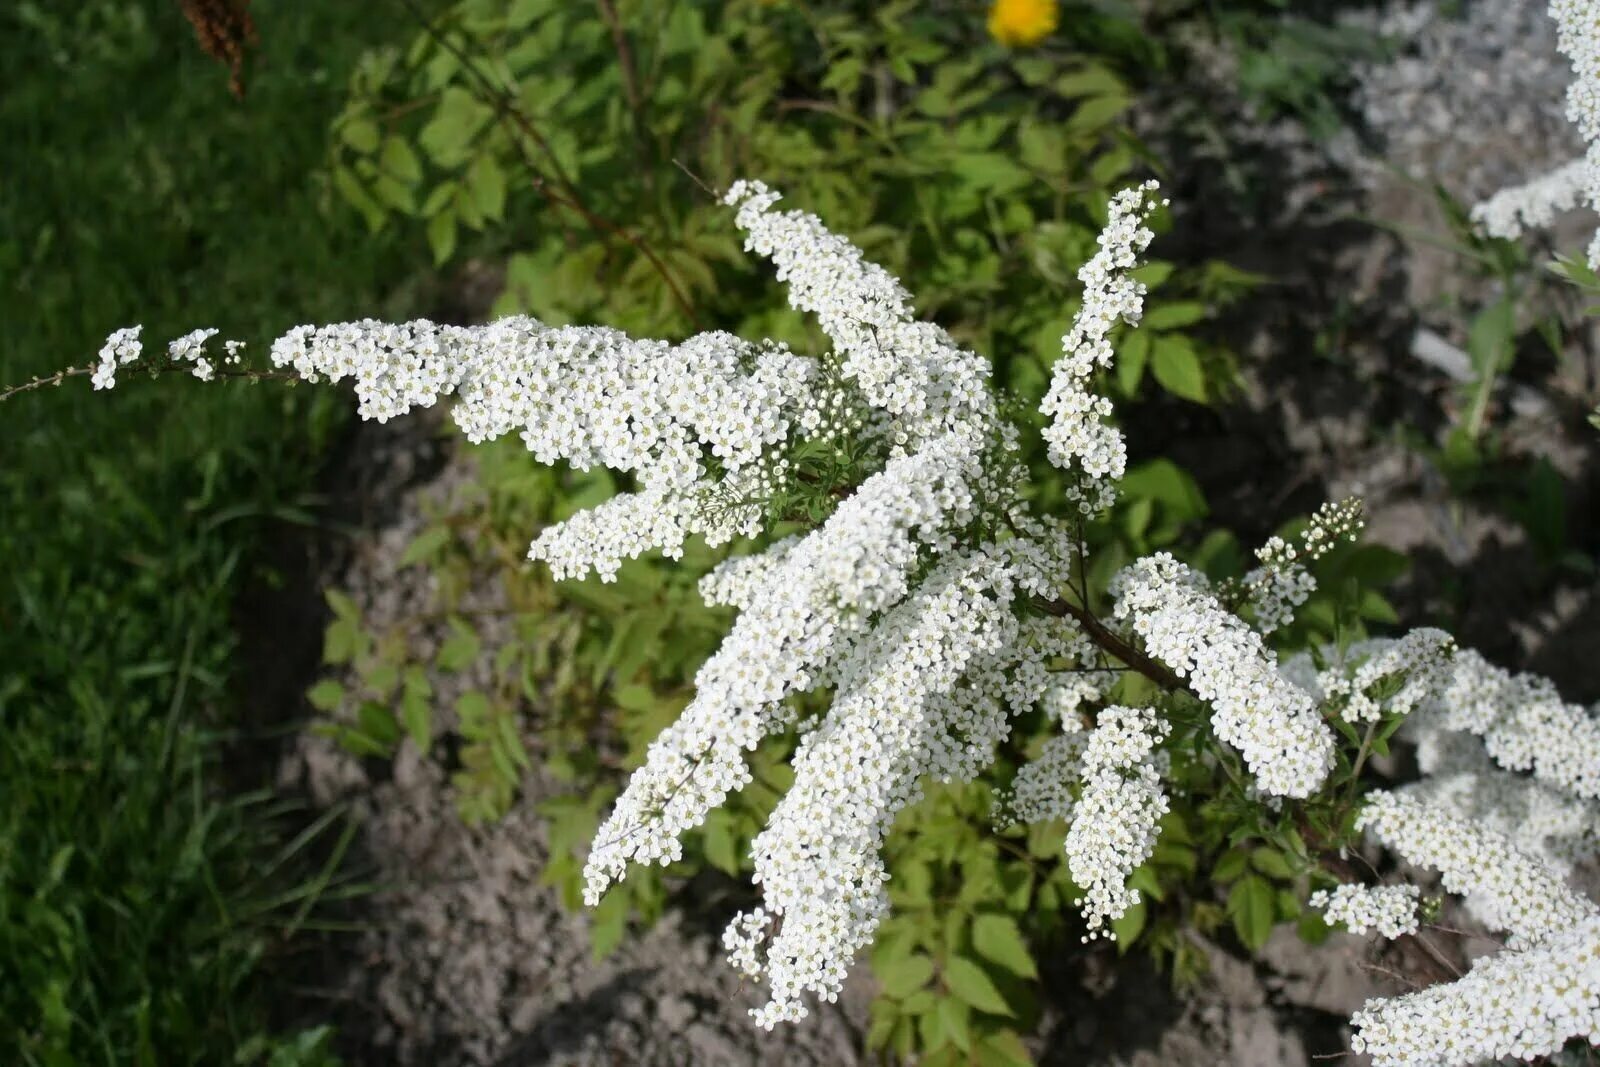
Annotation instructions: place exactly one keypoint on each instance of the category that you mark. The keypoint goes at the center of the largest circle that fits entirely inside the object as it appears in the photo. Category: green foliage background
(139, 901)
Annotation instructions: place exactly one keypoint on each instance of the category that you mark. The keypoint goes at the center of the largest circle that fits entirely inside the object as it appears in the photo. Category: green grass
(141, 901)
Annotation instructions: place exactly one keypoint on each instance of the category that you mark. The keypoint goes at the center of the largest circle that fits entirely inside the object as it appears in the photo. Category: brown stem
(630, 87)
(44, 379)
(156, 369)
(1103, 636)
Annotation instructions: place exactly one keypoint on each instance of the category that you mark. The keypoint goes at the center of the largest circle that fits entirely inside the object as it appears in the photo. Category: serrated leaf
(969, 982)
(997, 939)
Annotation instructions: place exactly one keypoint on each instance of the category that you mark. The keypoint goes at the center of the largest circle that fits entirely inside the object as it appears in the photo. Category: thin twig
(619, 39)
(507, 111)
(1102, 635)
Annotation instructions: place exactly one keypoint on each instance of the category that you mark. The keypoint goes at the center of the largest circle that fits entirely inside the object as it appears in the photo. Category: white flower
(1524, 723)
(1521, 1005)
(120, 349)
(1272, 722)
(901, 712)
(1114, 823)
(1389, 909)
(1078, 436)
(1504, 886)
(819, 599)
(1379, 677)
(1534, 205)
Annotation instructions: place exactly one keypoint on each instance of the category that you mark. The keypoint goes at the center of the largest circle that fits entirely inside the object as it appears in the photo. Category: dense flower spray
(933, 605)
(1536, 203)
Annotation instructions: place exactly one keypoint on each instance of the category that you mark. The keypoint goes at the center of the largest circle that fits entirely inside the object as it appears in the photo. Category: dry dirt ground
(466, 958)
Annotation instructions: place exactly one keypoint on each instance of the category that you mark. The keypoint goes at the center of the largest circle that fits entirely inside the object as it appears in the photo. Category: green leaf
(1253, 909)
(901, 977)
(460, 650)
(997, 939)
(956, 1020)
(1003, 1049)
(1097, 113)
(1271, 862)
(442, 236)
(719, 846)
(425, 546)
(1131, 360)
(455, 123)
(360, 134)
(399, 161)
(969, 982)
(326, 695)
(341, 642)
(1168, 485)
(487, 184)
(416, 707)
(1129, 925)
(1172, 316)
(1177, 367)
(1230, 866)
(357, 196)
(608, 922)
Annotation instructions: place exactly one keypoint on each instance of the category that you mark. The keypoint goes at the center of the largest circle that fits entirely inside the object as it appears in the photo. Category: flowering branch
(902, 602)
(1114, 645)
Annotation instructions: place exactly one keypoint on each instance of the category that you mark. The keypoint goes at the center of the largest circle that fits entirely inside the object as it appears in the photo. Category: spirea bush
(913, 620)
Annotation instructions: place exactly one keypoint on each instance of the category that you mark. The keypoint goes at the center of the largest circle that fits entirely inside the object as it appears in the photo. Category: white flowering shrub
(912, 619)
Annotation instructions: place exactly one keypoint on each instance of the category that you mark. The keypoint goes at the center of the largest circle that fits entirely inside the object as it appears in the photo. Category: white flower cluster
(1269, 719)
(1504, 886)
(901, 712)
(737, 581)
(1578, 36)
(1522, 1005)
(818, 600)
(1389, 909)
(1046, 786)
(191, 348)
(1549, 824)
(1282, 583)
(1379, 677)
(1114, 823)
(1079, 438)
(1512, 211)
(120, 349)
(695, 422)
(1524, 723)
(1534, 205)
(908, 369)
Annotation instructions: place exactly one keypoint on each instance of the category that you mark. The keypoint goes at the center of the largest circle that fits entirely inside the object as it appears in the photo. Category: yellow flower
(1022, 23)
